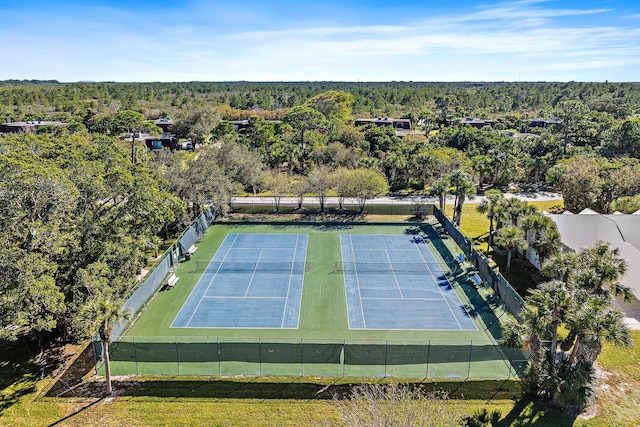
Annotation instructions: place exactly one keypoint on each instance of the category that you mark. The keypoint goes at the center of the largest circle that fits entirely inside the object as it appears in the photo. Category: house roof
(621, 231)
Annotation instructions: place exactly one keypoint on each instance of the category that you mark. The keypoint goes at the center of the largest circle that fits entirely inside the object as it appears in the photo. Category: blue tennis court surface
(393, 282)
(253, 281)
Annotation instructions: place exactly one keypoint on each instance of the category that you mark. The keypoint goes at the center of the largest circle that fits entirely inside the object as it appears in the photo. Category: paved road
(288, 201)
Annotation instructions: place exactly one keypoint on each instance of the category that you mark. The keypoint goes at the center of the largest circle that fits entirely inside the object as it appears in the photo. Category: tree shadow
(19, 371)
(298, 388)
(526, 412)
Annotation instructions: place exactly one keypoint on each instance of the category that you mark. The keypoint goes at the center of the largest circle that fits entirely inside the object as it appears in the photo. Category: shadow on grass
(18, 372)
(74, 374)
(525, 412)
(298, 388)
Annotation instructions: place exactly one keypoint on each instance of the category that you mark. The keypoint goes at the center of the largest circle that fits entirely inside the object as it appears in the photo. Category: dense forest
(82, 205)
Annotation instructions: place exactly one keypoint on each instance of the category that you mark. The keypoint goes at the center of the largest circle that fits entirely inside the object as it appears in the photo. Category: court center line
(386, 252)
(253, 274)
(212, 279)
(438, 286)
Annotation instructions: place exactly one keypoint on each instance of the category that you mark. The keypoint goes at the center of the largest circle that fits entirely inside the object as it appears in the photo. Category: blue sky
(348, 40)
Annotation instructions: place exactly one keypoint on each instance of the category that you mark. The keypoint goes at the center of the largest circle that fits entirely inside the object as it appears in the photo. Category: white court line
(211, 281)
(306, 249)
(232, 297)
(441, 293)
(355, 269)
(286, 301)
(386, 252)
(253, 274)
(402, 299)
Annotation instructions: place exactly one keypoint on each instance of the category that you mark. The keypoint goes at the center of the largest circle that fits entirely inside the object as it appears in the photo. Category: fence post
(260, 356)
(386, 351)
(177, 356)
(428, 354)
(510, 363)
(219, 368)
(469, 364)
(344, 362)
(135, 355)
(301, 358)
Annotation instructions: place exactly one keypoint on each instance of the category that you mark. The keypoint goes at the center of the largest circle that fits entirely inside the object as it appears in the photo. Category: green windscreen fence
(296, 357)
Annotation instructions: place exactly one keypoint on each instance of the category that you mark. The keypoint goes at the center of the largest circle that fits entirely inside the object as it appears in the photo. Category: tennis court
(395, 282)
(252, 281)
(240, 308)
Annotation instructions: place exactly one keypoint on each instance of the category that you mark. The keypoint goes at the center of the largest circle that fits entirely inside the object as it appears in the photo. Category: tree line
(81, 204)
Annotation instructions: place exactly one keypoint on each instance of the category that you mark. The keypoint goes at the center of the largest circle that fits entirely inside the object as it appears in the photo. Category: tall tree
(320, 183)
(511, 238)
(367, 183)
(542, 234)
(334, 104)
(570, 112)
(300, 187)
(196, 123)
(278, 184)
(462, 184)
(105, 313)
(440, 188)
(303, 120)
(493, 199)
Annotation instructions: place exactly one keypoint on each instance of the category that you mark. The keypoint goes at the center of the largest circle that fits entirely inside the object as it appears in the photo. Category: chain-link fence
(298, 357)
(267, 205)
(486, 269)
(156, 276)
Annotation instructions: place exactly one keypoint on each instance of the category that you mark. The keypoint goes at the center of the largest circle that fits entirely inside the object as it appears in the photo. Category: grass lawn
(186, 401)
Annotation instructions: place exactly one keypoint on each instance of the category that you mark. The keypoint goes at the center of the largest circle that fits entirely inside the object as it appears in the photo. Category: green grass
(619, 394)
(189, 401)
(185, 401)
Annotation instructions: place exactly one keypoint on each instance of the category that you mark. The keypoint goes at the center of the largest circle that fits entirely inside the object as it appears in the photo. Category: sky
(311, 40)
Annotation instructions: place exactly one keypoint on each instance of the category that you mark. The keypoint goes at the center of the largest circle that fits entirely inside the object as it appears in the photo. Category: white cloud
(494, 42)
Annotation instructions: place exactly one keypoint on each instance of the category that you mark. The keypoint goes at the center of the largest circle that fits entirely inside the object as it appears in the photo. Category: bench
(173, 279)
(476, 279)
(187, 255)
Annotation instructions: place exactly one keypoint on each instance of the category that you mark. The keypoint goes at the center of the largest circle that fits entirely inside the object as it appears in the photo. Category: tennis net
(381, 267)
(254, 266)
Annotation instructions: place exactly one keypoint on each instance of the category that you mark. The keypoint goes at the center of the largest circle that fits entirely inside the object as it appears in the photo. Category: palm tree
(596, 322)
(463, 187)
(514, 209)
(607, 267)
(511, 238)
(440, 189)
(561, 266)
(552, 301)
(548, 245)
(489, 206)
(531, 329)
(546, 237)
(105, 313)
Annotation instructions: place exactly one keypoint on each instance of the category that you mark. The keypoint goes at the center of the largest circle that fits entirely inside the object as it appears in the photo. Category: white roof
(621, 231)
(587, 211)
